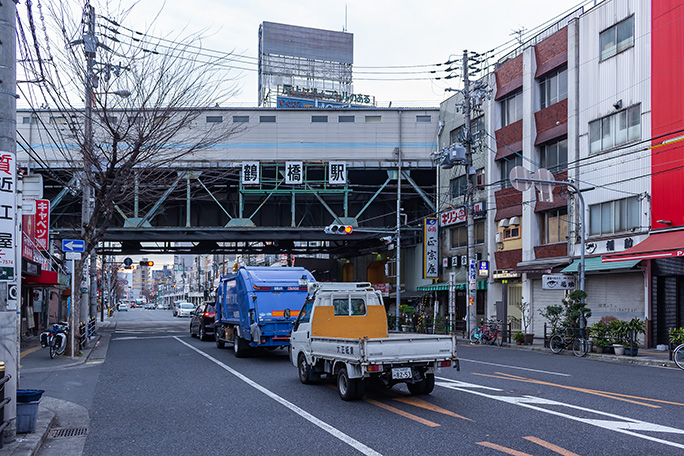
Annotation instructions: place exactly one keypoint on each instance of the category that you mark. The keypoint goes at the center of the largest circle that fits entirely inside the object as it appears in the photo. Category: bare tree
(130, 102)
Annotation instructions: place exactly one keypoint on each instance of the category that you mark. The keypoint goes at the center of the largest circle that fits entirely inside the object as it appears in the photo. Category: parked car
(185, 309)
(163, 306)
(149, 306)
(202, 322)
(123, 308)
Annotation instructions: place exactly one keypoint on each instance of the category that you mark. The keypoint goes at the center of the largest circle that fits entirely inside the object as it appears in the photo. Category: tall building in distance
(302, 67)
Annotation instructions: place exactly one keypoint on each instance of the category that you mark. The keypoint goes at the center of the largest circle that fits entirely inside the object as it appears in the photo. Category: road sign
(128, 261)
(522, 172)
(73, 245)
(72, 255)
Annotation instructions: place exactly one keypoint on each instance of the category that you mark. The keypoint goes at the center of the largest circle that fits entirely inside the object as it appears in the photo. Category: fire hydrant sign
(8, 210)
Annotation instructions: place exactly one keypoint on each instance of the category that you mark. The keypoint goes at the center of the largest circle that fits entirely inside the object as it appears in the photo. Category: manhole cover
(68, 432)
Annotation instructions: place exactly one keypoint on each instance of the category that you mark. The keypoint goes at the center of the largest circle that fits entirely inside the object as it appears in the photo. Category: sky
(394, 33)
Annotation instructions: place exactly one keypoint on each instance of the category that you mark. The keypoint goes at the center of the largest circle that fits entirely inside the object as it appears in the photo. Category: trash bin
(27, 409)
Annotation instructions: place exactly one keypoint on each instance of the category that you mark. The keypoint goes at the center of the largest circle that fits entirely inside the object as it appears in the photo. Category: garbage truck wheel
(239, 346)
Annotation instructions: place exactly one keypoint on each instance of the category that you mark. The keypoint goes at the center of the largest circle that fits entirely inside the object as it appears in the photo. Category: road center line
(515, 367)
(299, 411)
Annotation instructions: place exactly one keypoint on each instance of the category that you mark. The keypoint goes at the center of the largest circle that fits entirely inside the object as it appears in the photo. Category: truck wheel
(424, 386)
(306, 374)
(350, 388)
(239, 346)
(220, 343)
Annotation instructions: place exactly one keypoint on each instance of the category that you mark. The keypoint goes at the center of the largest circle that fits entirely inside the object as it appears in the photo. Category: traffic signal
(339, 229)
(147, 263)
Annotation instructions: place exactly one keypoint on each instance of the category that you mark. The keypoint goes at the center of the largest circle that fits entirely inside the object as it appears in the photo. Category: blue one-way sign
(73, 245)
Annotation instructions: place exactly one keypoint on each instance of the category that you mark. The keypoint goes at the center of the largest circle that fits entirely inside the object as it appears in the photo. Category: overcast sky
(386, 33)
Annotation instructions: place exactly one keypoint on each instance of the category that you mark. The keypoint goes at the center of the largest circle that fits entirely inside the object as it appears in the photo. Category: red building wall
(667, 115)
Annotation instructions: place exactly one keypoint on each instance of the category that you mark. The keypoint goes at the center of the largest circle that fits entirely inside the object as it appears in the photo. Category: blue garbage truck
(257, 306)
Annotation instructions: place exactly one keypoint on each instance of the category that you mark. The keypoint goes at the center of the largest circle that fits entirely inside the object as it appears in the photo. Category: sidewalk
(34, 358)
(645, 356)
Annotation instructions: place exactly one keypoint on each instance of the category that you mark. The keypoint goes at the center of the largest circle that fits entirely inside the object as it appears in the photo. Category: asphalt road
(160, 392)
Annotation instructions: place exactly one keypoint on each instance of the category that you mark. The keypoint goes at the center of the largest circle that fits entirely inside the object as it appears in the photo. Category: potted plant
(618, 336)
(407, 313)
(676, 337)
(599, 333)
(526, 320)
(634, 327)
(439, 324)
(519, 338)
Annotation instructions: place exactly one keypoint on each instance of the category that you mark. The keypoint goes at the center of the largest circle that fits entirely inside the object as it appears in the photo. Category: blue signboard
(73, 245)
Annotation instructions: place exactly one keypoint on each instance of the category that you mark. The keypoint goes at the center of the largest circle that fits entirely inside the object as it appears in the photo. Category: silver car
(185, 309)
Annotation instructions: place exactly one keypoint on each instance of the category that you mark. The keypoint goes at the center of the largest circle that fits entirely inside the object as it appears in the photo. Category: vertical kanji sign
(8, 210)
(250, 173)
(42, 224)
(337, 173)
(431, 249)
(294, 173)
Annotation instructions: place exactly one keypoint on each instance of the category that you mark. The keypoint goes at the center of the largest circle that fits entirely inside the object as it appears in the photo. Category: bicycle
(678, 356)
(569, 337)
(487, 333)
(56, 338)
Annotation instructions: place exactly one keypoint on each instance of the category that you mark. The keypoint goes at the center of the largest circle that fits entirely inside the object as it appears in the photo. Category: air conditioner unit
(499, 237)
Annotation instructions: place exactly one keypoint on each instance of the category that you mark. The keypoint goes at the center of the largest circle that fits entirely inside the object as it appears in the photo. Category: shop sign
(558, 282)
(8, 209)
(431, 249)
(483, 268)
(459, 215)
(250, 173)
(42, 223)
(383, 288)
(505, 274)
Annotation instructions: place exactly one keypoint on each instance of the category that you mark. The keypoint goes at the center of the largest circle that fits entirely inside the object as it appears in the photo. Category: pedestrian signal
(339, 229)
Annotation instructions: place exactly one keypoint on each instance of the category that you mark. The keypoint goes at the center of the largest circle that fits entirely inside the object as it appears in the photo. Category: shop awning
(595, 264)
(657, 245)
(444, 286)
(47, 279)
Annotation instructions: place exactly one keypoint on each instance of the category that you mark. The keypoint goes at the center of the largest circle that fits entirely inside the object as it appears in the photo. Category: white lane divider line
(515, 367)
(299, 411)
(618, 423)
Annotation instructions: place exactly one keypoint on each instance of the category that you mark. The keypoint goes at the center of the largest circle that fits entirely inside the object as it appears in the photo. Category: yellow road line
(550, 446)
(29, 351)
(607, 394)
(428, 406)
(503, 449)
(403, 413)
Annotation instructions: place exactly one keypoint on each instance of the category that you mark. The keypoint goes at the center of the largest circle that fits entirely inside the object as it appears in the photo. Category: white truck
(342, 331)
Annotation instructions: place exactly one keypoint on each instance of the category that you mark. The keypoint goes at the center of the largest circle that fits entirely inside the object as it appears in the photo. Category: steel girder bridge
(209, 211)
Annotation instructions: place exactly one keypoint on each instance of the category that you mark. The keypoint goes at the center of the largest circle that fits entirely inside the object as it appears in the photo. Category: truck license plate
(401, 373)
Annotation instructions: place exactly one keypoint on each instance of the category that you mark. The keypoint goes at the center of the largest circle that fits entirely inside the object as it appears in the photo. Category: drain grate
(68, 432)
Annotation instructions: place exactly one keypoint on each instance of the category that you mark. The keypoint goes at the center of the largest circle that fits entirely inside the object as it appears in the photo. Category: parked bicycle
(678, 356)
(569, 337)
(487, 333)
(56, 339)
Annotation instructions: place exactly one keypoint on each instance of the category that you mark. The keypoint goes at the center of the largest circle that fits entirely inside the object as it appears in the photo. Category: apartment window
(319, 119)
(617, 38)
(459, 235)
(267, 119)
(554, 88)
(457, 135)
(511, 109)
(554, 156)
(346, 119)
(614, 216)
(459, 186)
(426, 119)
(512, 232)
(553, 226)
(373, 119)
(615, 129)
(29, 120)
(60, 120)
(214, 119)
(111, 120)
(507, 164)
(240, 119)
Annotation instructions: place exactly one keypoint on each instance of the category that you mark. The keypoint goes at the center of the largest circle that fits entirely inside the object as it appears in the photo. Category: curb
(28, 444)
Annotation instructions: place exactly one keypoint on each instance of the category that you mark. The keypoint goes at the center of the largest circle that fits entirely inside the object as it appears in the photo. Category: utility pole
(471, 308)
(10, 318)
(90, 50)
